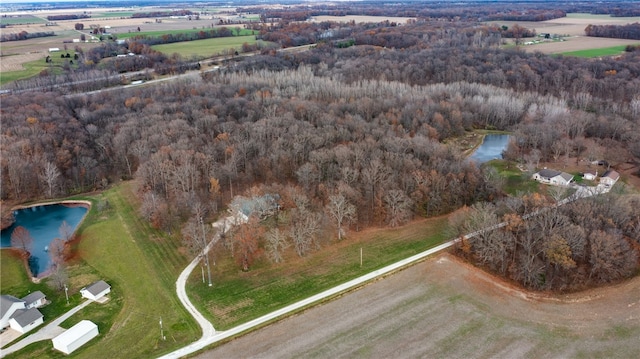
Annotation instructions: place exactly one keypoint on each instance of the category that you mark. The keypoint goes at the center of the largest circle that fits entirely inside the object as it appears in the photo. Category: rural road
(49, 331)
(219, 336)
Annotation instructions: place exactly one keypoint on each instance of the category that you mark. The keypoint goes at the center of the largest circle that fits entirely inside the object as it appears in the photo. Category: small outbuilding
(590, 176)
(24, 320)
(96, 290)
(75, 337)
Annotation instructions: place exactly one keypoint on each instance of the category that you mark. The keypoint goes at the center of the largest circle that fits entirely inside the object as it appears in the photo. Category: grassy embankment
(238, 297)
(590, 53)
(207, 47)
(141, 265)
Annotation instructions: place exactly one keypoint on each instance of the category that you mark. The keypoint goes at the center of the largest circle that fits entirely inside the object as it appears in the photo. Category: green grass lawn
(142, 265)
(237, 297)
(605, 51)
(516, 181)
(126, 35)
(206, 48)
(23, 19)
(33, 68)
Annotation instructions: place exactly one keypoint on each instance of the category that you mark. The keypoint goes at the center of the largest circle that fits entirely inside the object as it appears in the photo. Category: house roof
(547, 173)
(26, 316)
(6, 301)
(567, 177)
(33, 297)
(611, 174)
(97, 287)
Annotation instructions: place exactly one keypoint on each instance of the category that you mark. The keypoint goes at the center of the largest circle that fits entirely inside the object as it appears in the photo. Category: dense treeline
(162, 13)
(589, 241)
(68, 17)
(23, 35)
(629, 31)
(185, 36)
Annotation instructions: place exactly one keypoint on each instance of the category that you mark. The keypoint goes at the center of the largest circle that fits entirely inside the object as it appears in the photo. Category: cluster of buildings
(22, 315)
(558, 178)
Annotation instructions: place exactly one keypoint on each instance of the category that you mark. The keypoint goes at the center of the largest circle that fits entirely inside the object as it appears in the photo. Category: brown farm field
(444, 308)
(572, 28)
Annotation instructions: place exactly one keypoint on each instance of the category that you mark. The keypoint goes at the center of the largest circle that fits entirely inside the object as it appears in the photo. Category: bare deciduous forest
(350, 138)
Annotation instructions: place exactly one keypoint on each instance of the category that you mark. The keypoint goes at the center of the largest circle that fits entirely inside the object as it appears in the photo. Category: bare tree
(65, 231)
(304, 229)
(341, 211)
(21, 239)
(276, 244)
(398, 207)
(57, 251)
(59, 277)
(195, 235)
(50, 176)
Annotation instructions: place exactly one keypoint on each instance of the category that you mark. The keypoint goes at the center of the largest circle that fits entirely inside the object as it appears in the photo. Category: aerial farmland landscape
(343, 179)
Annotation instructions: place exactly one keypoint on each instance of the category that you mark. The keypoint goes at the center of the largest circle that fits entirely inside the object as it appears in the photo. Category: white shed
(75, 337)
(96, 290)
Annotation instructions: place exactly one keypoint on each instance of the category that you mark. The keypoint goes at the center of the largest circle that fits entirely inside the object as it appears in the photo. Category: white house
(35, 300)
(96, 290)
(609, 178)
(8, 306)
(553, 177)
(24, 320)
(75, 337)
(590, 176)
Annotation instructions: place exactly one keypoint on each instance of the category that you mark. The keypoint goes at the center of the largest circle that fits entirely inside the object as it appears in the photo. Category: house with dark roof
(242, 208)
(24, 320)
(553, 177)
(96, 290)
(609, 178)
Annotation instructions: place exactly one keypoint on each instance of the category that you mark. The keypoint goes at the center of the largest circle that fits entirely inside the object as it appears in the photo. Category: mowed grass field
(22, 19)
(205, 48)
(606, 51)
(33, 68)
(142, 265)
(237, 297)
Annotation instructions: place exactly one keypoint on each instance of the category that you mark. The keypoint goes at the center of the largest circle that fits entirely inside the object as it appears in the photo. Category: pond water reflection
(490, 149)
(43, 223)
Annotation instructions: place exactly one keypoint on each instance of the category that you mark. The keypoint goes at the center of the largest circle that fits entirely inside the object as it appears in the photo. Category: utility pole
(206, 248)
(360, 256)
(162, 331)
(66, 293)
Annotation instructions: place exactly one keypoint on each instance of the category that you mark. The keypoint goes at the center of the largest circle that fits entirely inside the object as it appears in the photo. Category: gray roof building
(6, 301)
(25, 317)
(97, 287)
(33, 297)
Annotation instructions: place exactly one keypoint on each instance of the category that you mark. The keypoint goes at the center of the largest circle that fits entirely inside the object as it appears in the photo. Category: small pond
(490, 149)
(43, 223)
